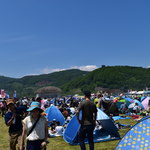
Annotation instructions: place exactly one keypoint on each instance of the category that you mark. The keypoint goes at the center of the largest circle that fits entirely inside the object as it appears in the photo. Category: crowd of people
(27, 122)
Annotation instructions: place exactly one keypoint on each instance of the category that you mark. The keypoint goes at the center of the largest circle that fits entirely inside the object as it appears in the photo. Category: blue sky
(42, 36)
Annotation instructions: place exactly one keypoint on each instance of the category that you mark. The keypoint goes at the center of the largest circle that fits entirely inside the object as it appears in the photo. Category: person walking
(13, 119)
(88, 121)
(35, 129)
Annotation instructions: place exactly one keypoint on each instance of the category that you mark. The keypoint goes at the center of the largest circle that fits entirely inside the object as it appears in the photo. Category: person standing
(123, 108)
(88, 121)
(35, 129)
(100, 101)
(13, 119)
(3, 107)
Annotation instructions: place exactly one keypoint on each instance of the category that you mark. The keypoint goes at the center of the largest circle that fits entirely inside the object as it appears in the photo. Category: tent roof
(137, 137)
(54, 113)
(140, 92)
(109, 130)
(147, 92)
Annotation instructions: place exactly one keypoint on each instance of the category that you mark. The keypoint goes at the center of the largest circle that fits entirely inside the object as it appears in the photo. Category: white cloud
(47, 70)
(83, 68)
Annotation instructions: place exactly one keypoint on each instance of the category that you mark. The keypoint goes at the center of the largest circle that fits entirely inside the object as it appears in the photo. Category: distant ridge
(123, 78)
(26, 86)
(74, 81)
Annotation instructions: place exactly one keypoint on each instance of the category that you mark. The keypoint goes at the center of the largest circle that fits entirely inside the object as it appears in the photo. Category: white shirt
(59, 131)
(39, 130)
(72, 109)
(136, 108)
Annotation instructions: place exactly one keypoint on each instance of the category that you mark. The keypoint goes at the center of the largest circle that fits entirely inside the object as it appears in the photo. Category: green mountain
(112, 77)
(27, 85)
(75, 81)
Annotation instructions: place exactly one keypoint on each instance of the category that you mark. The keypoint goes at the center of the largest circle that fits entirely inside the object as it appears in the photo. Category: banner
(2, 93)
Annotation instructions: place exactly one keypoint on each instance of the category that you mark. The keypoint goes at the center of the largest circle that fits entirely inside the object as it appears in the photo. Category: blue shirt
(17, 122)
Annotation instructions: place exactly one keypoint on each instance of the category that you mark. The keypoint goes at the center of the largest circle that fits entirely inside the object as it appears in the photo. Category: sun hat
(9, 101)
(35, 105)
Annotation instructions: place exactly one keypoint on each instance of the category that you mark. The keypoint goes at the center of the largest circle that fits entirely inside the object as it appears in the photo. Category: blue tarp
(120, 117)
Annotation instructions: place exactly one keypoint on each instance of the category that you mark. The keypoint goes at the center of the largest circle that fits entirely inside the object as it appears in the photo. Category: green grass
(58, 143)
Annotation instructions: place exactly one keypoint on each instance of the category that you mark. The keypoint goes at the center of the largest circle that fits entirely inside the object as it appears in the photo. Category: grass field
(58, 143)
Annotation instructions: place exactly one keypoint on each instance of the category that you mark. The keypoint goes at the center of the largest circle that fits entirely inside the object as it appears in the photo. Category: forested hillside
(27, 85)
(75, 81)
(113, 77)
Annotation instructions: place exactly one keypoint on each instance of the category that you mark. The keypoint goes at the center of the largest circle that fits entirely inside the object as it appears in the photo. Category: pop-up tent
(54, 113)
(129, 99)
(108, 130)
(147, 92)
(119, 102)
(145, 103)
(132, 105)
(137, 138)
(110, 107)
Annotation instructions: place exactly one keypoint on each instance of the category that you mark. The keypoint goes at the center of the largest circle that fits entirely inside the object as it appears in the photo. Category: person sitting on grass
(58, 131)
(55, 129)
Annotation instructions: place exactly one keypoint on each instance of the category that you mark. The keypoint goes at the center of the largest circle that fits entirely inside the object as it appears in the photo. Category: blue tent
(129, 99)
(119, 102)
(52, 101)
(107, 132)
(139, 103)
(54, 113)
(142, 98)
(137, 138)
(70, 133)
(147, 92)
